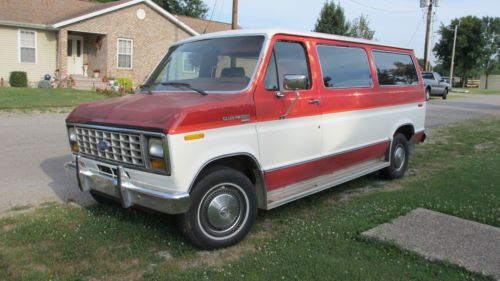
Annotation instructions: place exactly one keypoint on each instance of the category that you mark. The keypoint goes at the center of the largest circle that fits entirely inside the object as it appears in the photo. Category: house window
(125, 48)
(27, 46)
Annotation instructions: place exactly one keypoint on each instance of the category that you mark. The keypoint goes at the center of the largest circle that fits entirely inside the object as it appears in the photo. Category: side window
(344, 67)
(291, 59)
(395, 69)
(271, 78)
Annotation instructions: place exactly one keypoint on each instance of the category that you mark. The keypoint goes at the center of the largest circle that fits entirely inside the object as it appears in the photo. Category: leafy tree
(332, 20)
(469, 47)
(192, 8)
(491, 51)
(360, 28)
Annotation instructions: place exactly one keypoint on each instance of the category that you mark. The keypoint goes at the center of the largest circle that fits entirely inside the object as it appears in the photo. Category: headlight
(156, 154)
(156, 148)
(73, 141)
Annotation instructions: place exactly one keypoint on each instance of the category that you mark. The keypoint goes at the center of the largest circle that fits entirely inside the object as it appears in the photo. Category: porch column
(62, 49)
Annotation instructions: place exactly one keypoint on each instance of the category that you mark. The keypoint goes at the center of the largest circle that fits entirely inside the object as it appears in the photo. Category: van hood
(166, 112)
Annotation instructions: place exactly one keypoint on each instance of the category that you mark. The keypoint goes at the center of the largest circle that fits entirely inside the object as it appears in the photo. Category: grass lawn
(476, 91)
(35, 98)
(317, 238)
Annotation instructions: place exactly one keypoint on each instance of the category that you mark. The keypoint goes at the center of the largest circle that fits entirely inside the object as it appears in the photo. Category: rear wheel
(445, 94)
(222, 211)
(399, 158)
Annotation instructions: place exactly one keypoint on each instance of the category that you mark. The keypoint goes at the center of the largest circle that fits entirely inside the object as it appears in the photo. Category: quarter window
(271, 79)
(27, 46)
(344, 67)
(125, 50)
(395, 69)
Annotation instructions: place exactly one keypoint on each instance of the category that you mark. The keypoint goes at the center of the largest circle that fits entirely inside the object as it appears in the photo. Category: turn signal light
(74, 147)
(158, 164)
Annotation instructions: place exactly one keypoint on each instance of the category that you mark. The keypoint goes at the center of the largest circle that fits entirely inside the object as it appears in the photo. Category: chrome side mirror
(295, 82)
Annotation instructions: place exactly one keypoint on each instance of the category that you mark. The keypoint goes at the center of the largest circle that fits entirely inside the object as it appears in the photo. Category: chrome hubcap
(223, 210)
(399, 157)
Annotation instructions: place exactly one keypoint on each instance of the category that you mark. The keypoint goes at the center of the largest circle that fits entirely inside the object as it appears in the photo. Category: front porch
(83, 56)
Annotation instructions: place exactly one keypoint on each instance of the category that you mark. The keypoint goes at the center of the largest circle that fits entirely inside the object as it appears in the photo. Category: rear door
(288, 144)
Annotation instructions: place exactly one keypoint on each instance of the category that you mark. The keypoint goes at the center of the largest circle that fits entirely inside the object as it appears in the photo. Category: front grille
(123, 147)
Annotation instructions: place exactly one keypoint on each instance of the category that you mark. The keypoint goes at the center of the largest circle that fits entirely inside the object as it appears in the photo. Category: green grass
(35, 98)
(476, 91)
(317, 238)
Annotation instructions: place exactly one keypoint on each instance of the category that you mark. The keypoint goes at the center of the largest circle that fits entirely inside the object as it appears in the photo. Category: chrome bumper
(121, 188)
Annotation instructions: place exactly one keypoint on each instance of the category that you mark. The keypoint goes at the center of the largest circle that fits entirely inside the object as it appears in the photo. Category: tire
(223, 209)
(101, 199)
(399, 158)
(427, 94)
(445, 94)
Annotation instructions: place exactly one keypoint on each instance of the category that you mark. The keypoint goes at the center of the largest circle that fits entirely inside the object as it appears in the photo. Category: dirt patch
(39, 267)
(482, 147)
(8, 227)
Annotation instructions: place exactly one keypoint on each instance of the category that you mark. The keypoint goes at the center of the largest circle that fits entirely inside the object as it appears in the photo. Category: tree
(191, 8)
(469, 46)
(491, 51)
(332, 20)
(360, 28)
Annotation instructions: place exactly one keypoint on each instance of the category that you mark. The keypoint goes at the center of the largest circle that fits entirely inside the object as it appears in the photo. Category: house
(75, 37)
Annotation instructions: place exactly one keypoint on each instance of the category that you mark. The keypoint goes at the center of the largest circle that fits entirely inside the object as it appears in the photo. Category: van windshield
(219, 64)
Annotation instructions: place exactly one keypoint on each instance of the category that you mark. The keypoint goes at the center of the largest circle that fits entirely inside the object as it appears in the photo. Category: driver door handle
(315, 101)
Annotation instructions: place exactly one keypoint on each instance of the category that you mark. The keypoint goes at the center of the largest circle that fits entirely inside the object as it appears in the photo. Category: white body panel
(287, 142)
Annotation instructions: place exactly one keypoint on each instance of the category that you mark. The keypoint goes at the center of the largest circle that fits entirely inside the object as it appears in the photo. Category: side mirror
(295, 82)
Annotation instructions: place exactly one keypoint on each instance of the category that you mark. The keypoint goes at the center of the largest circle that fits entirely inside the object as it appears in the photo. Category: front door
(75, 55)
(288, 145)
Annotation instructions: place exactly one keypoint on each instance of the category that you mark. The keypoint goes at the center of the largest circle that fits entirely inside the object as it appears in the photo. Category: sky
(396, 22)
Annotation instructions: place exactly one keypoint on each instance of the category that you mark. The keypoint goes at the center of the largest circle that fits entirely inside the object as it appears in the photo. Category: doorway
(75, 55)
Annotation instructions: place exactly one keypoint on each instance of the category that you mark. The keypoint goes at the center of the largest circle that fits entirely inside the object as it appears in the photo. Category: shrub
(44, 84)
(126, 83)
(18, 79)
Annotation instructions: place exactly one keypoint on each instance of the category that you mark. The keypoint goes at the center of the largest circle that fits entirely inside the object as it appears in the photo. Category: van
(232, 122)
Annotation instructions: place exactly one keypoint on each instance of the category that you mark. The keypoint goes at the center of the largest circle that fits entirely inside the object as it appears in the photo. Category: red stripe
(286, 176)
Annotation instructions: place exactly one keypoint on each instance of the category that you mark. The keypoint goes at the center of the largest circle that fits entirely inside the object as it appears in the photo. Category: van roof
(273, 31)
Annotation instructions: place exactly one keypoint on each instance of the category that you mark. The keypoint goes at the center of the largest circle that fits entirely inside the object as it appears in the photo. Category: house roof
(204, 26)
(59, 13)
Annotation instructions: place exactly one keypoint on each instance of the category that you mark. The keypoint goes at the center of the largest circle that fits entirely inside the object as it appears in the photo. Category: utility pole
(235, 15)
(428, 32)
(453, 54)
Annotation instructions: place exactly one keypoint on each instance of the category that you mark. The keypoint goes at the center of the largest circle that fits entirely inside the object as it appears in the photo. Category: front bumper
(122, 188)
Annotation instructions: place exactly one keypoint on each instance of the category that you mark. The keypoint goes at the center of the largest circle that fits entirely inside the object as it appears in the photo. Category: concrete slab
(438, 236)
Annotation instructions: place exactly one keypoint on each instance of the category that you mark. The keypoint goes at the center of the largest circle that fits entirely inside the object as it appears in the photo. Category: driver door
(289, 145)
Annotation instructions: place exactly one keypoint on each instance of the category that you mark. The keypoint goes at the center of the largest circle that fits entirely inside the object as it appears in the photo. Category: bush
(18, 79)
(44, 84)
(126, 83)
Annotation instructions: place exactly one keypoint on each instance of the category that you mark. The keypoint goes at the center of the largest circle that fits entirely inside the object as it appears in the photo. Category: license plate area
(111, 172)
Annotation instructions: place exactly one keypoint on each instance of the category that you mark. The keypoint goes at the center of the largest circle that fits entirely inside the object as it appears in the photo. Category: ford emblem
(103, 145)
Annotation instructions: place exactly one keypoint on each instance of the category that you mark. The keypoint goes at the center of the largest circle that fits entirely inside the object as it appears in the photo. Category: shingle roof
(54, 11)
(199, 25)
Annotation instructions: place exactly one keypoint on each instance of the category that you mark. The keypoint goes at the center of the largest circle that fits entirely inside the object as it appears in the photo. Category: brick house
(120, 39)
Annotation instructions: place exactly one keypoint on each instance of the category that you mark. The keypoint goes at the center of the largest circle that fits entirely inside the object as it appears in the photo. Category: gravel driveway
(33, 149)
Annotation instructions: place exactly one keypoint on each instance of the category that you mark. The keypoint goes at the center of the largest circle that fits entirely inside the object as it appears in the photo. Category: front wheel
(445, 94)
(399, 158)
(427, 94)
(222, 211)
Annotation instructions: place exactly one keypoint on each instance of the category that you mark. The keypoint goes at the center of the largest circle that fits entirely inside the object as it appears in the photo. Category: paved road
(33, 149)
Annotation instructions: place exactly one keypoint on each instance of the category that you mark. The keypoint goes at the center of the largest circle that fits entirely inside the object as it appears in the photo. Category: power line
(211, 17)
(415, 32)
(384, 10)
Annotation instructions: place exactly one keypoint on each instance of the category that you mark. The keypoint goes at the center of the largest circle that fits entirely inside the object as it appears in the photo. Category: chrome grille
(124, 147)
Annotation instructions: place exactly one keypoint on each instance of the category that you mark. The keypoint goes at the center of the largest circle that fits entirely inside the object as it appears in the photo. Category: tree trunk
(486, 82)
(463, 80)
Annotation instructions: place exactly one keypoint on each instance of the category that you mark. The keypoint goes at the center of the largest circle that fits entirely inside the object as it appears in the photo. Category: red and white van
(234, 121)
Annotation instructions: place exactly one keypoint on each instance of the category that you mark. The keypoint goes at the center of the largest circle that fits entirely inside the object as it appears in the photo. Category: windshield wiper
(147, 88)
(184, 85)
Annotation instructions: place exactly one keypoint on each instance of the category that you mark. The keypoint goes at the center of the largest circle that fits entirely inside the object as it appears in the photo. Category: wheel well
(406, 130)
(428, 87)
(246, 165)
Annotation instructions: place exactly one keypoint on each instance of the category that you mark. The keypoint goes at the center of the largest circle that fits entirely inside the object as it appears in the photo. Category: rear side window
(290, 59)
(344, 67)
(395, 69)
